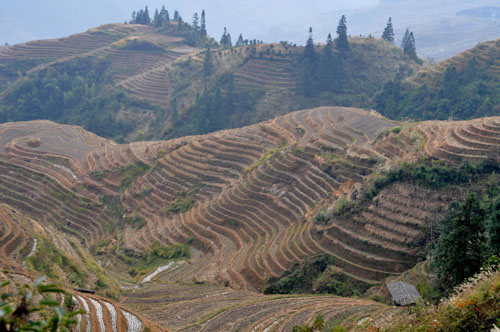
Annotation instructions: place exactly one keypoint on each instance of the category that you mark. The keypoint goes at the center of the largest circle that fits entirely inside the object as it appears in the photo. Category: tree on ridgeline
(146, 19)
(165, 16)
(389, 32)
(141, 17)
(203, 24)
(179, 21)
(326, 67)
(176, 16)
(196, 21)
(306, 85)
(226, 39)
(309, 50)
(408, 45)
(158, 20)
(342, 43)
(240, 41)
(462, 245)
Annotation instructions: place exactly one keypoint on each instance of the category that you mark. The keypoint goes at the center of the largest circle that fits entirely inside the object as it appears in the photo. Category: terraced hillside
(463, 87)
(126, 75)
(485, 56)
(245, 201)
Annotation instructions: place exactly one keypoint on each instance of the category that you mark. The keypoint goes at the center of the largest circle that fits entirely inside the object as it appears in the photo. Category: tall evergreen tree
(326, 66)
(147, 19)
(226, 39)
(157, 20)
(207, 63)
(462, 245)
(408, 44)
(164, 14)
(196, 21)
(203, 25)
(309, 50)
(389, 32)
(342, 43)
(134, 17)
(176, 16)
(240, 41)
(306, 83)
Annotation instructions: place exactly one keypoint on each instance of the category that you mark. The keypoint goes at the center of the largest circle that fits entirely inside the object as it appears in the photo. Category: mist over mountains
(442, 28)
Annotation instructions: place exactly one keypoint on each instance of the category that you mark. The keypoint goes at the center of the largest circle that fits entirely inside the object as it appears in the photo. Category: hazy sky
(24, 20)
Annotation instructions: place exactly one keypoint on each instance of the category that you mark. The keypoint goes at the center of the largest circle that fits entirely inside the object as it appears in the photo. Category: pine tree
(157, 20)
(176, 16)
(309, 51)
(326, 65)
(203, 25)
(226, 39)
(306, 82)
(389, 32)
(408, 44)
(147, 19)
(240, 41)
(134, 17)
(164, 15)
(196, 21)
(342, 43)
(461, 246)
(207, 63)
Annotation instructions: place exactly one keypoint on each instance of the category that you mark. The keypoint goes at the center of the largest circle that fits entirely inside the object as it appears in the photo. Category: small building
(403, 294)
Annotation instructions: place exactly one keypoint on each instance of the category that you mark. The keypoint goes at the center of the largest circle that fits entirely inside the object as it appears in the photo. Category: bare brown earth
(254, 193)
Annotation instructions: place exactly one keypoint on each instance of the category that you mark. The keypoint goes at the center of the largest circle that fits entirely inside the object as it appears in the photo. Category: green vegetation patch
(184, 201)
(49, 260)
(317, 276)
(131, 172)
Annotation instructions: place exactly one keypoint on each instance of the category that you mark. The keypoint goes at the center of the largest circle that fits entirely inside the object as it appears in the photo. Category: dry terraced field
(247, 199)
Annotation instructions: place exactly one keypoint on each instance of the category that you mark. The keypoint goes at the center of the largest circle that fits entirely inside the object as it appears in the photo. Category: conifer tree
(176, 16)
(408, 44)
(134, 17)
(207, 63)
(389, 32)
(342, 43)
(226, 39)
(326, 68)
(196, 21)
(461, 247)
(308, 67)
(147, 19)
(203, 25)
(157, 20)
(164, 15)
(309, 51)
(240, 41)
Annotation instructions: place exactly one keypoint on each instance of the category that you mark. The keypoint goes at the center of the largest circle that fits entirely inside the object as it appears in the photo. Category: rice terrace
(153, 178)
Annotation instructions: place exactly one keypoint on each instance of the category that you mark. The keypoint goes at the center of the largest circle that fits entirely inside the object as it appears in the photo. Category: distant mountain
(489, 12)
